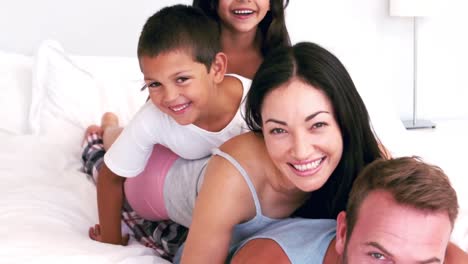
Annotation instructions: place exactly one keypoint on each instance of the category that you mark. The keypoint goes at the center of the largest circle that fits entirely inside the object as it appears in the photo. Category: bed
(47, 100)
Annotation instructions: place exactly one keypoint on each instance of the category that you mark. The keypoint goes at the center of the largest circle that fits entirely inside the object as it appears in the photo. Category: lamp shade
(411, 8)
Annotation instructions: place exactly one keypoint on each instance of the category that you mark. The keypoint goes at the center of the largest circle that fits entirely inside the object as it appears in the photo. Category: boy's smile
(180, 108)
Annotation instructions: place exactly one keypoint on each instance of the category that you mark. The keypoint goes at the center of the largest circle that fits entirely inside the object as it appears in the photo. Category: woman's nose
(300, 147)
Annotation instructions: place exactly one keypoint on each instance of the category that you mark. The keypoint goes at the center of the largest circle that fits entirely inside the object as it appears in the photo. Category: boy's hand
(95, 234)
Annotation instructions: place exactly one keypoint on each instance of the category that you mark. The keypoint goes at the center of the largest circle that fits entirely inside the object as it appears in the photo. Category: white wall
(444, 62)
(84, 27)
(376, 48)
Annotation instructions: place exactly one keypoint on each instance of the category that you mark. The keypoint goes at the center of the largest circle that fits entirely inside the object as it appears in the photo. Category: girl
(249, 30)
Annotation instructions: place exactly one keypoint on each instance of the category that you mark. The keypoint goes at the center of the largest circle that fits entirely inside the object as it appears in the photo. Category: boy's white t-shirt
(128, 156)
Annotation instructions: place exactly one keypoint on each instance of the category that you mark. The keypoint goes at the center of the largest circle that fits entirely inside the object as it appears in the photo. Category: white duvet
(47, 205)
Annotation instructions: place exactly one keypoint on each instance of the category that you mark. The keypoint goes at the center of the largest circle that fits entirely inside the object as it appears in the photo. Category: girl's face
(301, 134)
(242, 15)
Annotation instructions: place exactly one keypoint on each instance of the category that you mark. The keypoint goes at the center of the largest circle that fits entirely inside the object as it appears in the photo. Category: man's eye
(277, 131)
(376, 255)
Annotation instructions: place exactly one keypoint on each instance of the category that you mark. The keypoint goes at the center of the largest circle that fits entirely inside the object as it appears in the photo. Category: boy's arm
(110, 200)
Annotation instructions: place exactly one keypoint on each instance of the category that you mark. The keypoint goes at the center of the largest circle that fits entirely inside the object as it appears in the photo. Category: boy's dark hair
(410, 181)
(319, 68)
(272, 27)
(180, 27)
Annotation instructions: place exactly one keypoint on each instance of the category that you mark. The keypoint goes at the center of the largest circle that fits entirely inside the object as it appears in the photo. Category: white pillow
(15, 91)
(382, 111)
(79, 89)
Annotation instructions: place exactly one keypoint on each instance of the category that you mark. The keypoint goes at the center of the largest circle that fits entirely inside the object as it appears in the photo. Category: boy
(193, 108)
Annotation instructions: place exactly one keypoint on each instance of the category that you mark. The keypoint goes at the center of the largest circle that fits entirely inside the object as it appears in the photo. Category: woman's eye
(319, 125)
(277, 131)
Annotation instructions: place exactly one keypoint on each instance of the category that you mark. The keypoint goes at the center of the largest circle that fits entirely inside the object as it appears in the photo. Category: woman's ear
(219, 67)
(341, 230)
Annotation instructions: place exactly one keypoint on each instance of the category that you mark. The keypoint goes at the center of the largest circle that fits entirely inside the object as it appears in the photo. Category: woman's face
(241, 15)
(301, 134)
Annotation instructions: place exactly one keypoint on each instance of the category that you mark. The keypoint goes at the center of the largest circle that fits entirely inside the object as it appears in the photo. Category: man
(399, 211)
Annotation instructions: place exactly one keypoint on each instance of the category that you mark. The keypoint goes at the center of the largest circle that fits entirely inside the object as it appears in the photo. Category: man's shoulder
(454, 254)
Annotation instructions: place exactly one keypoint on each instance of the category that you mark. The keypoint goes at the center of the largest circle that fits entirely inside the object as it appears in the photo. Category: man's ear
(219, 67)
(341, 229)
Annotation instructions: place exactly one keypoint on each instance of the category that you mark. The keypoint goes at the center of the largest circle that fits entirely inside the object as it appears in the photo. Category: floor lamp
(414, 9)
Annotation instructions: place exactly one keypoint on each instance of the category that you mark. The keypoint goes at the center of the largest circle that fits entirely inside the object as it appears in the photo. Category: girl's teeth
(243, 12)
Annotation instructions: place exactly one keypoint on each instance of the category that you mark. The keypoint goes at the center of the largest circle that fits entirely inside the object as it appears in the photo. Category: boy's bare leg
(110, 129)
(92, 129)
(97, 139)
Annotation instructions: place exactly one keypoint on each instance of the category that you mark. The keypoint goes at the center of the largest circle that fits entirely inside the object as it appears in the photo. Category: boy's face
(386, 232)
(178, 85)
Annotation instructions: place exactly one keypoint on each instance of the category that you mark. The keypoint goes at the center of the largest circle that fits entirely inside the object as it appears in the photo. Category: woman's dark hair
(319, 68)
(272, 27)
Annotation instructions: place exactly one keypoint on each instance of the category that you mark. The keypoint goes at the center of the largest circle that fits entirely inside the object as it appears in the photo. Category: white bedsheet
(47, 205)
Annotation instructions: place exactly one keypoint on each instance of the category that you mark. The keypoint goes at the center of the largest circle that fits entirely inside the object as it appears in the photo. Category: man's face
(386, 232)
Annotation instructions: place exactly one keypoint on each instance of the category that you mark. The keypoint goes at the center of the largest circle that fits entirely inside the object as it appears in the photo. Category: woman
(311, 136)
